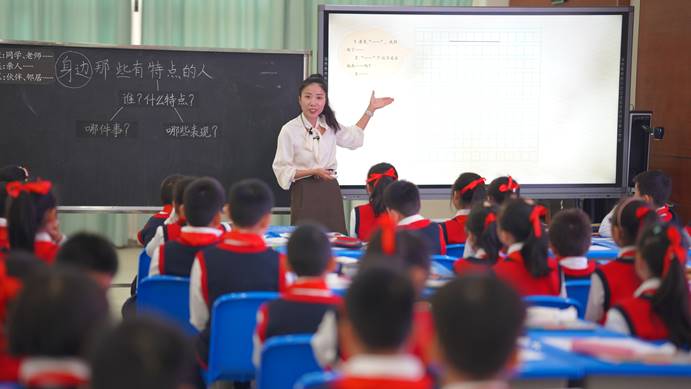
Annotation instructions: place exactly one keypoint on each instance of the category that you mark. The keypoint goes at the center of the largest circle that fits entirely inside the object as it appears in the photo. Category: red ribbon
(14, 188)
(641, 212)
(674, 249)
(473, 185)
(510, 185)
(375, 177)
(388, 234)
(489, 219)
(535, 215)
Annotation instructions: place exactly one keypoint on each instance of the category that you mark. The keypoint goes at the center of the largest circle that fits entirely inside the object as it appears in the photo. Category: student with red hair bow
(468, 189)
(502, 189)
(363, 218)
(659, 308)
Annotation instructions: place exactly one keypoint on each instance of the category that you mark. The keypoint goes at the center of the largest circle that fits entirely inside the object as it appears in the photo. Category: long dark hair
(473, 189)
(502, 189)
(482, 224)
(663, 249)
(328, 113)
(519, 218)
(25, 215)
(378, 179)
(631, 216)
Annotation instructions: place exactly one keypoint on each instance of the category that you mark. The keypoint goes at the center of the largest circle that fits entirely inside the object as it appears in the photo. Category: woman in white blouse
(305, 161)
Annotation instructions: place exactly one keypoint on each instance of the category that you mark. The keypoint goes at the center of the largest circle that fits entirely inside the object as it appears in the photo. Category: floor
(120, 290)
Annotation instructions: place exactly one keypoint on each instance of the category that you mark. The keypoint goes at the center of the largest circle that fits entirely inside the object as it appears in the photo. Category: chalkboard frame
(307, 55)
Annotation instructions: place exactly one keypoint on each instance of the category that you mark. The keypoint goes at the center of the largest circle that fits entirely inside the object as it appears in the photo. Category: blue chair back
(455, 250)
(10, 385)
(445, 261)
(168, 297)
(285, 359)
(579, 291)
(554, 302)
(316, 380)
(233, 320)
(143, 270)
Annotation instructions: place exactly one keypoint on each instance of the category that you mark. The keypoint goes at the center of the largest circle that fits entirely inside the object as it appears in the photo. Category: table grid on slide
(482, 69)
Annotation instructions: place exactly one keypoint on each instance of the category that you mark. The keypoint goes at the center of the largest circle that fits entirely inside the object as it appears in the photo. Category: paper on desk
(620, 349)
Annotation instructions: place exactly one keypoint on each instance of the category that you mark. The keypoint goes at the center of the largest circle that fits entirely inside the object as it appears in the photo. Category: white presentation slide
(534, 96)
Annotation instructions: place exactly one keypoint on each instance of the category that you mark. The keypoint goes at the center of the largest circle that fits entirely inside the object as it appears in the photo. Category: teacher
(305, 161)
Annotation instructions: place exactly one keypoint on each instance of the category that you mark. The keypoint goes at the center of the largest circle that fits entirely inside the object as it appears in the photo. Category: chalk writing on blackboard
(26, 66)
(158, 99)
(103, 129)
(73, 70)
(192, 130)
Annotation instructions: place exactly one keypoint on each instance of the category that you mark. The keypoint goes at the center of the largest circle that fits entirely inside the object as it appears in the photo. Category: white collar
(477, 385)
(3, 222)
(650, 283)
(321, 122)
(172, 218)
(43, 237)
(480, 254)
(32, 366)
(624, 249)
(384, 366)
(515, 247)
(574, 263)
(410, 219)
(202, 230)
(463, 212)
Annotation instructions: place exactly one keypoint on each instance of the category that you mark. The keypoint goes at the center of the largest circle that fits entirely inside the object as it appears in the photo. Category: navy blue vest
(284, 317)
(149, 230)
(176, 258)
(431, 233)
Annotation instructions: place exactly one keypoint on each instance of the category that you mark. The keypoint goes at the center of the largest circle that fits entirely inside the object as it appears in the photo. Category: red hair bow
(674, 249)
(473, 185)
(375, 177)
(510, 185)
(642, 212)
(14, 188)
(489, 219)
(388, 234)
(535, 215)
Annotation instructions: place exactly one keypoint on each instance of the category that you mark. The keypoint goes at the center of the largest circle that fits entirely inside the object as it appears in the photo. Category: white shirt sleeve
(155, 242)
(199, 311)
(605, 229)
(257, 343)
(596, 299)
(283, 165)
(153, 265)
(351, 230)
(325, 340)
(616, 322)
(350, 137)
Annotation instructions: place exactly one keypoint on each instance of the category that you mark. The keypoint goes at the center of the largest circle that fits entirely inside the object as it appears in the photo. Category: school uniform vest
(365, 221)
(619, 280)
(512, 270)
(172, 231)
(149, 230)
(432, 232)
(44, 248)
(423, 331)
(454, 230)
(472, 264)
(642, 320)
(4, 236)
(175, 257)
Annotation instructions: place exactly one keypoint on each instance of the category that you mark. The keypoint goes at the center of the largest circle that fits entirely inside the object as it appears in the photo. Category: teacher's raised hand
(378, 102)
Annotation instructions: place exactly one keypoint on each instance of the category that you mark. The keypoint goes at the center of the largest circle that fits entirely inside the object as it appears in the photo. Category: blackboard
(107, 124)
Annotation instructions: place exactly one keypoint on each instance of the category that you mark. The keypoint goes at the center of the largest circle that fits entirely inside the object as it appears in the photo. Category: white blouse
(298, 149)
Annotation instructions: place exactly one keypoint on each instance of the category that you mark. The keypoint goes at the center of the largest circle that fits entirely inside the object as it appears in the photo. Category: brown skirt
(318, 201)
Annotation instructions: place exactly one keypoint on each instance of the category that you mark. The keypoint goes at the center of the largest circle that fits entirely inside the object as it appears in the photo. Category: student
(402, 200)
(659, 308)
(483, 240)
(240, 262)
(377, 320)
(363, 218)
(202, 208)
(91, 253)
(171, 227)
(304, 303)
(653, 187)
(8, 174)
(526, 267)
(11, 173)
(502, 189)
(477, 353)
(468, 190)
(617, 280)
(52, 325)
(570, 237)
(142, 353)
(32, 218)
(167, 191)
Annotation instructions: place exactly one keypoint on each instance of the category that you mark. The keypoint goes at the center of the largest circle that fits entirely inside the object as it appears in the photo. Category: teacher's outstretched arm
(374, 104)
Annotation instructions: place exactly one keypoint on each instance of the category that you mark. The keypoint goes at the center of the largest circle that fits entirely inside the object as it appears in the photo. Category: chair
(555, 302)
(316, 380)
(143, 270)
(167, 296)
(233, 320)
(284, 360)
(444, 260)
(10, 385)
(455, 250)
(579, 291)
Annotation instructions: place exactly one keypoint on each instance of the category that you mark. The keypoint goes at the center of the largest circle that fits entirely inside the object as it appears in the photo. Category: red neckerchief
(664, 213)
(164, 213)
(39, 372)
(196, 238)
(313, 290)
(627, 256)
(648, 293)
(242, 242)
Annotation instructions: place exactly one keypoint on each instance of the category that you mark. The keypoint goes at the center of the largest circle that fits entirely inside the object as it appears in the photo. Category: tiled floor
(120, 290)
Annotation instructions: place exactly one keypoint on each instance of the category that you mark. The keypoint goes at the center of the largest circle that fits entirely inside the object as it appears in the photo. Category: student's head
(309, 251)
(478, 319)
(11, 173)
(402, 199)
(203, 202)
(631, 215)
(91, 253)
(142, 353)
(179, 194)
(314, 100)
(379, 177)
(570, 233)
(378, 311)
(502, 189)
(661, 253)
(481, 228)
(23, 265)
(249, 204)
(31, 208)
(653, 186)
(56, 314)
(168, 188)
(519, 222)
(468, 189)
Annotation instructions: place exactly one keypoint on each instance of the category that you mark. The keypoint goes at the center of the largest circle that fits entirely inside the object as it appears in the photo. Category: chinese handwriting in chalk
(151, 70)
(24, 65)
(192, 131)
(158, 99)
(101, 129)
(73, 69)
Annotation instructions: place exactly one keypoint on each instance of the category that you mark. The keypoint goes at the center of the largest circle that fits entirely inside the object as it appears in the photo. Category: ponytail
(482, 224)
(27, 206)
(663, 249)
(502, 189)
(523, 221)
(631, 216)
(471, 189)
(328, 113)
(379, 177)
